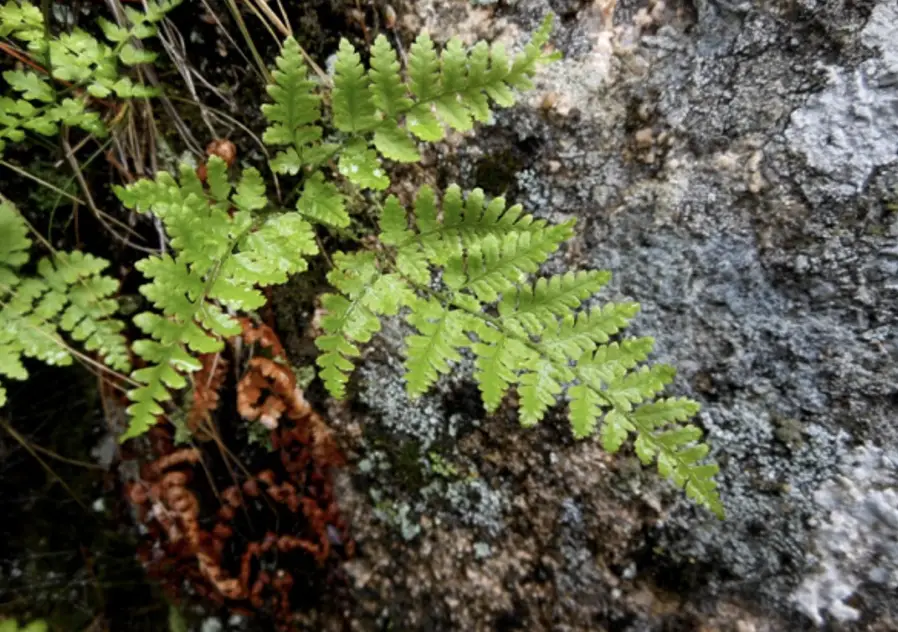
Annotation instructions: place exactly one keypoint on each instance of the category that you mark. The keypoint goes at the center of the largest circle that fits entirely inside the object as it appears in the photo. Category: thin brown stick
(30, 449)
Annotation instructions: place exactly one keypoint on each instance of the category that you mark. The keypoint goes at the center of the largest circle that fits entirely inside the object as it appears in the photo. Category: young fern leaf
(352, 105)
(467, 223)
(222, 253)
(544, 341)
(533, 308)
(294, 116)
(322, 203)
(429, 353)
(69, 295)
(449, 88)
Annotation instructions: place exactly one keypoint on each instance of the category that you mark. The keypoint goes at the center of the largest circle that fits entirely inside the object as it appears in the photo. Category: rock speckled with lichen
(734, 164)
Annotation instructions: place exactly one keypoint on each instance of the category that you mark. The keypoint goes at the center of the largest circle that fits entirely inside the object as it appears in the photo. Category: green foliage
(379, 113)
(546, 340)
(68, 295)
(223, 250)
(11, 625)
(77, 62)
(461, 270)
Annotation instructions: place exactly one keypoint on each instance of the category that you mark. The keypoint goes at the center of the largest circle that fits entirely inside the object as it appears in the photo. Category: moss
(788, 431)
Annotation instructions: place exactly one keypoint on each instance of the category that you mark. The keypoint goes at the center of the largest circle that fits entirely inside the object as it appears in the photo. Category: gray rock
(857, 541)
(732, 165)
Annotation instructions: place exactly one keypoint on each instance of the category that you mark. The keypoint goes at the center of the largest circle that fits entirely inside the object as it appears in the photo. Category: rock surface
(734, 165)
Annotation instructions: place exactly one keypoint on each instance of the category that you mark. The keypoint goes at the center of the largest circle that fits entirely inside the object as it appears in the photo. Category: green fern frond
(577, 333)
(23, 21)
(449, 88)
(497, 266)
(446, 228)
(352, 105)
(545, 342)
(322, 202)
(83, 300)
(537, 307)
(387, 88)
(361, 166)
(430, 352)
(69, 295)
(222, 253)
(11, 625)
(293, 117)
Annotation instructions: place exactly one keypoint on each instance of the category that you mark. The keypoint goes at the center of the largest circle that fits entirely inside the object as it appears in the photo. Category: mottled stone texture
(734, 165)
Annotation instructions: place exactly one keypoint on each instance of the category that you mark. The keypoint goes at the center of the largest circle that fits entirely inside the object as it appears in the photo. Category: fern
(76, 60)
(378, 112)
(68, 295)
(461, 269)
(544, 340)
(223, 249)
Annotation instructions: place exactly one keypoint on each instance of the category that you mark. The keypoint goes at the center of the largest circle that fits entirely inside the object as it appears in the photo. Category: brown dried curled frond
(207, 383)
(263, 335)
(251, 404)
(263, 543)
(178, 457)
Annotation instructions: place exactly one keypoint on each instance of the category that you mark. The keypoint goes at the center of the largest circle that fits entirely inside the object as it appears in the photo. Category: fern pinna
(68, 295)
(223, 248)
(532, 334)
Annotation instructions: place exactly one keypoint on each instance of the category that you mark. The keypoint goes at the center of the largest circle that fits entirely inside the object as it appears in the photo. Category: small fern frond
(293, 117)
(322, 203)
(387, 88)
(577, 333)
(77, 58)
(540, 385)
(222, 254)
(83, 300)
(14, 241)
(533, 308)
(676, 448)
(360, 165)
(497, 266)
(446, 228)
(441, 333)
(353, 108)
(449, 88)
(69, 295)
